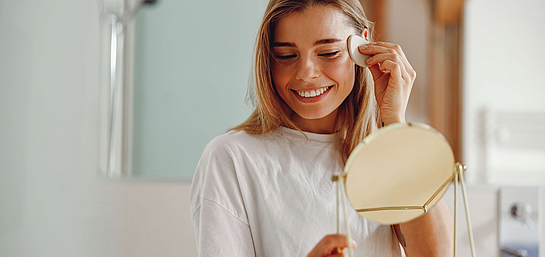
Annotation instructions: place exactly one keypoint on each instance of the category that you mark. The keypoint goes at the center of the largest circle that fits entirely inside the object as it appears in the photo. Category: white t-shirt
(272, 195)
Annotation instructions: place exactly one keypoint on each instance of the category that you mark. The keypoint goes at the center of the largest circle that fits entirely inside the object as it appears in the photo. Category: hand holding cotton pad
(353, 44)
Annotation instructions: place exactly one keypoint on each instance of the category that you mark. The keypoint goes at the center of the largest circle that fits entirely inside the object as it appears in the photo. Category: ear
(365, 34)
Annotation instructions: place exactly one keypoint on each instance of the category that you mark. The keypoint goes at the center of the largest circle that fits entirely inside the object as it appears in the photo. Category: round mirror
(399, 172)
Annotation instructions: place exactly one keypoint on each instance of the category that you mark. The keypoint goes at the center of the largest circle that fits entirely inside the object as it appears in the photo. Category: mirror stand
(458, 176)
(341, 193)
(340, 179)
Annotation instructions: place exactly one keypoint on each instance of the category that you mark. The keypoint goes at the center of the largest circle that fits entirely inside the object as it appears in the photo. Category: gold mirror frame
(399, 173)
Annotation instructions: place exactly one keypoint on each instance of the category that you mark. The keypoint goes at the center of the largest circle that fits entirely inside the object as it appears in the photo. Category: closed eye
(330, 54)
(285, 57)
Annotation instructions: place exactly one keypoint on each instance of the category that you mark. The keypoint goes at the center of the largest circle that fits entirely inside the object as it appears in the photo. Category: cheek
(343, 71)
(280, 76)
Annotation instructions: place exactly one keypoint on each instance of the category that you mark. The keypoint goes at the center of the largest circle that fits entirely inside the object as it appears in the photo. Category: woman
(264, 188)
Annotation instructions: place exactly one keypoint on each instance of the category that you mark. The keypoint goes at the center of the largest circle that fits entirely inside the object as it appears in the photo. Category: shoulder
(234, 138)
(235, 142)
(220, 167)
(222, 157)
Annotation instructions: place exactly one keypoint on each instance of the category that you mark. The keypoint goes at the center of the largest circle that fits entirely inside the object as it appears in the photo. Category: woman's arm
(428, 235)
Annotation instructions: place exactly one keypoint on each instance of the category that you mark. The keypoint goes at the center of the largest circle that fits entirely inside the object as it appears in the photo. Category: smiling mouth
(312, 93)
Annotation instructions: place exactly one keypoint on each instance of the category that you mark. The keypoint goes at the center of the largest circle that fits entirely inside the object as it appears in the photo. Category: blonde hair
(358, 115)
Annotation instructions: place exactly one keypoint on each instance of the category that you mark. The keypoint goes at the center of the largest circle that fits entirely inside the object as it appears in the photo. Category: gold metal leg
(345, 210)
(339, 178)
(338, 188)
(338, 208)
(466, 205)
(460, 176)
(455, 207)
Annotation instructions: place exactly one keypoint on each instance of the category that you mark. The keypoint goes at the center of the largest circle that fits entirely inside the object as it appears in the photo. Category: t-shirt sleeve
(217, 207)
(219, 233)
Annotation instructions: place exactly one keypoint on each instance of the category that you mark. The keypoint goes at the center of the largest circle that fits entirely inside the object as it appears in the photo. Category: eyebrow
(319, 42)
(327, 41)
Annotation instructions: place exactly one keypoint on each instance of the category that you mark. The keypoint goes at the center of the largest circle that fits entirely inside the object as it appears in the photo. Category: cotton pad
(353, 43)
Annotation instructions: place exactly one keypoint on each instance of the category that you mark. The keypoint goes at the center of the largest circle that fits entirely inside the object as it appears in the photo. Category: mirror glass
(191, 70)
(398, 170)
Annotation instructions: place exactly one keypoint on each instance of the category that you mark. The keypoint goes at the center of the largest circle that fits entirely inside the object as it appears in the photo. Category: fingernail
(368, 60)
(372, 43)
(363, 47)
(354, 244)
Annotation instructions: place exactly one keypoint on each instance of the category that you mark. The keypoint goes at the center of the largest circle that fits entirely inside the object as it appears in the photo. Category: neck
(324, 125)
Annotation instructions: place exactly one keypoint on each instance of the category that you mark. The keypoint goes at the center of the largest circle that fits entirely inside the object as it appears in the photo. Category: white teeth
(312, 93)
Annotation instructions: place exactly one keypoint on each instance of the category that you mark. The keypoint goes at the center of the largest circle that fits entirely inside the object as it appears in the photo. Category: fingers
(382, 54)
(329, 246)
(383, 51)
(388, 57)
(395, 70)
(384, 47)
(375, 71)
(380, 58)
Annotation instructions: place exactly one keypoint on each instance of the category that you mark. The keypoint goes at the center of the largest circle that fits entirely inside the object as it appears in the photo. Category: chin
(314, 115)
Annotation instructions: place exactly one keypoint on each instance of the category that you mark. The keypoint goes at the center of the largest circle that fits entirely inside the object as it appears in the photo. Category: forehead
(313, 24)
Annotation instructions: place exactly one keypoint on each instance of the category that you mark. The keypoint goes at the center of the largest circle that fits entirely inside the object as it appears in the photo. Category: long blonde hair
(358, 115)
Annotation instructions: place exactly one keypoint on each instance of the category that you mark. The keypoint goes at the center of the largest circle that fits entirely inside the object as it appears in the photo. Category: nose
(307, 69)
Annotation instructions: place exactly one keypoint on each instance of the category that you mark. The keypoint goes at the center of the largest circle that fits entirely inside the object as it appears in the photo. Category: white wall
(52, 203)
(504, 64)
(483, 206)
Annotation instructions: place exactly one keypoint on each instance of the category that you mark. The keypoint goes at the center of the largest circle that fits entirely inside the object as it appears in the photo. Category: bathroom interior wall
(52, 203)
(503, 111)
(504, 60)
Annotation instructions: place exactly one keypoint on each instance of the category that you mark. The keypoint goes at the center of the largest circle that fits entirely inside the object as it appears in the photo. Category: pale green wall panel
(192, 66)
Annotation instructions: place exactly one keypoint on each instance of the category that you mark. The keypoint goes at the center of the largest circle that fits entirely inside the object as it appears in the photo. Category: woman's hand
(330, 245)
(392, 89)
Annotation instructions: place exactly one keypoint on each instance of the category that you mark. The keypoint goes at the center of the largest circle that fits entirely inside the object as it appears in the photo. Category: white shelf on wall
(513, 147)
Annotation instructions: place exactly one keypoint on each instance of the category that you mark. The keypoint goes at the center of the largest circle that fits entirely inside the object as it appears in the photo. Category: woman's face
(311, 68)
